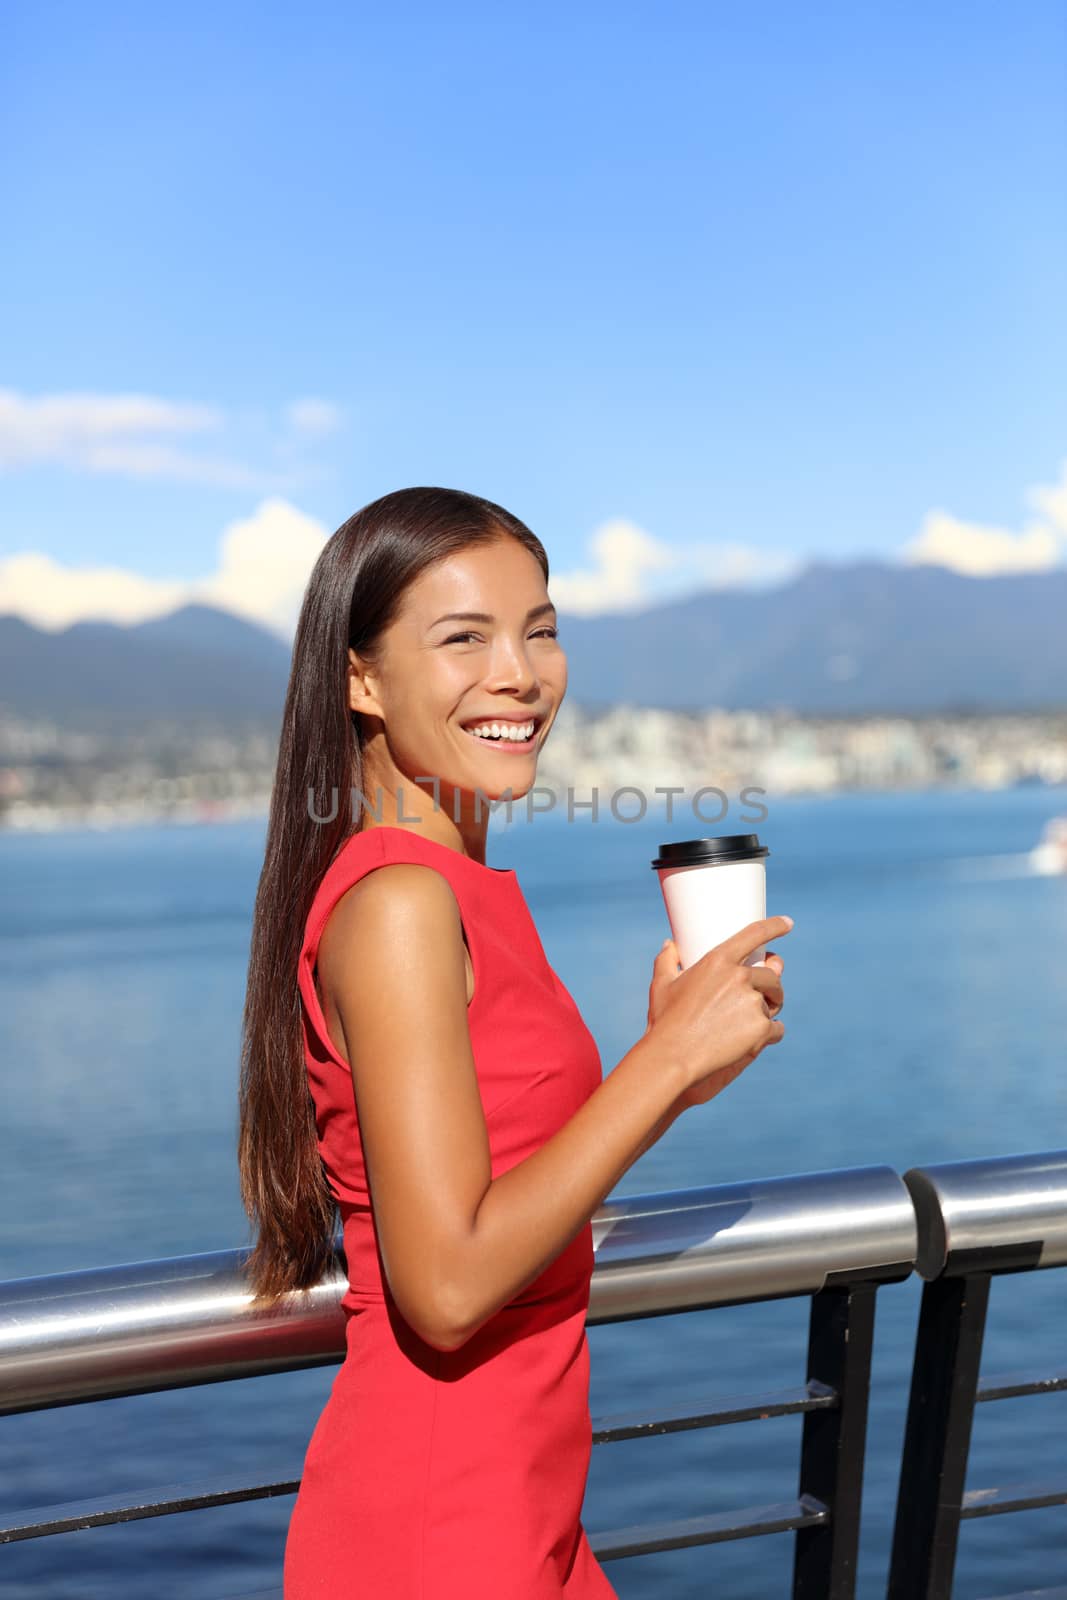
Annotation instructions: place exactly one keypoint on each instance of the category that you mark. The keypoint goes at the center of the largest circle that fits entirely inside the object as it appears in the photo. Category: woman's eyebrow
(483, 616)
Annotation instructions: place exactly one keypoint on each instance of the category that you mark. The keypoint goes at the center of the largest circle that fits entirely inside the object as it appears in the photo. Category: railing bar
(1012, 1497)
(1026, 1594)
(102, 1510)
(682, 1414)
(105, 1510)
(1008, 1385)
(750, 1522)
(640, 1539)
(67, 1339)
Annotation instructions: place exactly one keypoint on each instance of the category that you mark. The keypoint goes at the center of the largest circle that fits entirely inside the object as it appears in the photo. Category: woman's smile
(506, 743)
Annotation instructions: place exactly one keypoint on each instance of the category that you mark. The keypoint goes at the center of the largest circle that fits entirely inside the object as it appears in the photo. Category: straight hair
(353, 595)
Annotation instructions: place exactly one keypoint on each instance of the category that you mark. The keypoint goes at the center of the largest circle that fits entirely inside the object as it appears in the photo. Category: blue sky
(698, 291)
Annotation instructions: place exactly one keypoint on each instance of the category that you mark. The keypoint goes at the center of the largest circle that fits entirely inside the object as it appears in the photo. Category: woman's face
(439, 674)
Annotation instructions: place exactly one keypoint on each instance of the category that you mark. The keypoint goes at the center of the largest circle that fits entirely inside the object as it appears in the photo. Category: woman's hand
(717, 1018)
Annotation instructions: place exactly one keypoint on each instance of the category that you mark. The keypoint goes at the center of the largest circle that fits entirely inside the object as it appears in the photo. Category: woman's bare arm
(666, 1121)
(456, 1244)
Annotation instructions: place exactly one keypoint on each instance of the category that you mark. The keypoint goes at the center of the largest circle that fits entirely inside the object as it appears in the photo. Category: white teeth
(503, 730)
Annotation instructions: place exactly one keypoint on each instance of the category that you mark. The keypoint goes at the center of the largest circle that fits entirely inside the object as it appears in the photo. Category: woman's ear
(361, 695)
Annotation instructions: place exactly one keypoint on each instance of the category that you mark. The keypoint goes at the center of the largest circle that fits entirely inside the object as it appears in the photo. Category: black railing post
(840, 1342)
(937, 1439)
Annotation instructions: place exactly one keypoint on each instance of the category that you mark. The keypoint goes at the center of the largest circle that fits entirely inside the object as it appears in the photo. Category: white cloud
(141, 436)
(264, 564)
(633, 569)
(1051, 498)
(51, 595)
(61, 427)
(982, 551)
(313, 417)
(99, 432)
(136, 460)
(624, 554)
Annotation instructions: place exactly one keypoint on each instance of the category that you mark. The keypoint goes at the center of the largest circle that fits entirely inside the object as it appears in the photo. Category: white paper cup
(711, 889)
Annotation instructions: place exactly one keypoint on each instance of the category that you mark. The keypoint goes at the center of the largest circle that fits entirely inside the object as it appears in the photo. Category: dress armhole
(310, 953)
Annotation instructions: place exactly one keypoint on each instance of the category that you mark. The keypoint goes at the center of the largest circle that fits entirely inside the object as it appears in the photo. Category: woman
(429, 1079)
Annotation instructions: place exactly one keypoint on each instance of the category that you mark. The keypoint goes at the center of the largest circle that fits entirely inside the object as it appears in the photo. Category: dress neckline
(409, 833)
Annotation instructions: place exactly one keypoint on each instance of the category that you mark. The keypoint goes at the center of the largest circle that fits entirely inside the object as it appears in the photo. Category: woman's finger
(767, 981)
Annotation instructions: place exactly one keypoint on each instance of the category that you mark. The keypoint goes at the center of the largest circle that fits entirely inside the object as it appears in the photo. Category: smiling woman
(412, 1065)
(433, 1050)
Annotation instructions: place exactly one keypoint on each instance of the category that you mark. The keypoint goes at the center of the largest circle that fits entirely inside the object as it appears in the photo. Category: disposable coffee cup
(711, 889)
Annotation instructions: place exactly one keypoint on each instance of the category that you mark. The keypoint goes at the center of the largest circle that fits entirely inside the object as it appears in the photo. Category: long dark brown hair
(353, 595)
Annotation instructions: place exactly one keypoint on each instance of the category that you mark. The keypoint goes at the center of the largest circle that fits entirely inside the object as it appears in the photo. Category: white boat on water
(1049, 855)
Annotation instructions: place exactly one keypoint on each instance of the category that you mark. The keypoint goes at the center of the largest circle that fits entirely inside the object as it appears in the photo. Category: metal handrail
(1007, 1213)
(834, 1236)
(111, 1331)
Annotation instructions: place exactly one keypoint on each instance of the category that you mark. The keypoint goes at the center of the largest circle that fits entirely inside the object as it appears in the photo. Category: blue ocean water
(925, 1016)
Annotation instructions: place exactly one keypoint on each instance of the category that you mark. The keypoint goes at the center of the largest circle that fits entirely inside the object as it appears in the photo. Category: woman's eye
(456, 638)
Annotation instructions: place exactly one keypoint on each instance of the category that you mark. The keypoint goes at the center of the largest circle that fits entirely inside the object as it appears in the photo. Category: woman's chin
(505, 792)
(505, 786)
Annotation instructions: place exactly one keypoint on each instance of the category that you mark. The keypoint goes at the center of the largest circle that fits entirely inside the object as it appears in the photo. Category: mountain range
(835, 639)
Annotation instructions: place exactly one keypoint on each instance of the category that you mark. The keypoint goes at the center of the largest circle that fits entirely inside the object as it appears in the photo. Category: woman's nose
(512, 666)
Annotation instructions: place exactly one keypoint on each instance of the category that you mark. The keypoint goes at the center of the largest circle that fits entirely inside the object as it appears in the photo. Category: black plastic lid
(711, 852)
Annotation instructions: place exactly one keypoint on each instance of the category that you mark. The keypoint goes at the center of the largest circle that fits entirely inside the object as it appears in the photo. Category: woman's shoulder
(479, 891)
(374, 906)
(398, 899)
(381, 870)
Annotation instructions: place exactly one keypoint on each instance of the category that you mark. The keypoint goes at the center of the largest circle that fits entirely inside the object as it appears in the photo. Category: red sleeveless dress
(454, 1475)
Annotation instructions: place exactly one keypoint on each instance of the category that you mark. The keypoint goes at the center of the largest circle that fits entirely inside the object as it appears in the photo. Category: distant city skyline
(701, 295)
